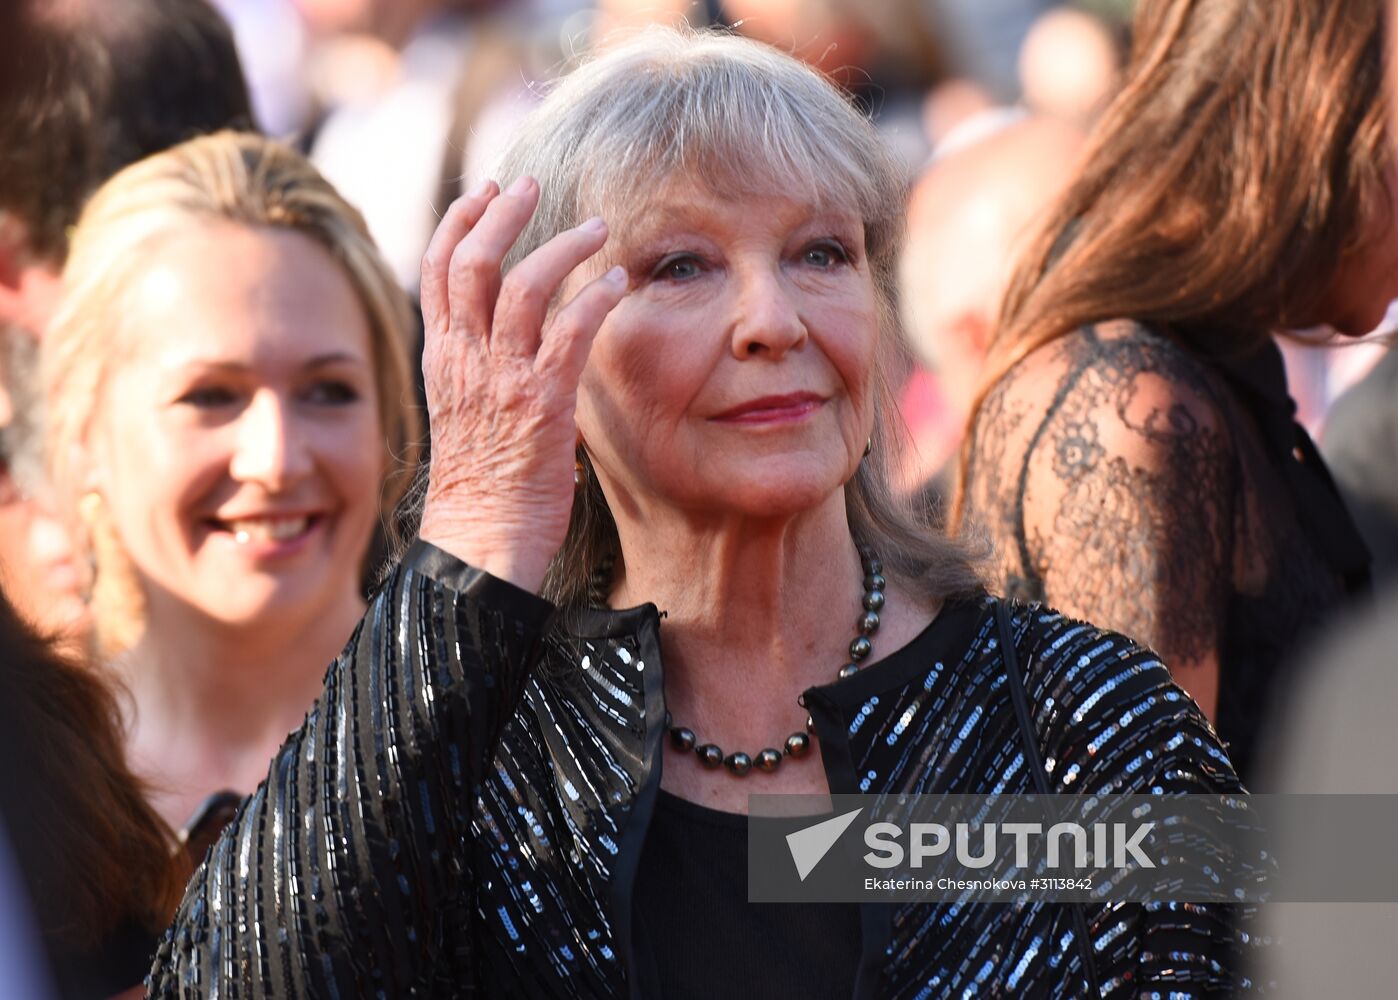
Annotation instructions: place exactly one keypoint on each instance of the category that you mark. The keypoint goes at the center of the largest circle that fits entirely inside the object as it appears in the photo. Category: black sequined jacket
(463, 811)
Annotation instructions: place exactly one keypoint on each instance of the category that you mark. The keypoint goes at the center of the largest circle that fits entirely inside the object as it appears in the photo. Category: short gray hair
(745, 118)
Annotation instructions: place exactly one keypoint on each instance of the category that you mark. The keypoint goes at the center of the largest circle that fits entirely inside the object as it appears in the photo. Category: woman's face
(735, 376)
(237, 443)
(1368, 278)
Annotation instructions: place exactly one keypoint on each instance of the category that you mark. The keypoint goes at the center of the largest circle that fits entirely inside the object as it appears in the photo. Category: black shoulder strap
(1035, 762)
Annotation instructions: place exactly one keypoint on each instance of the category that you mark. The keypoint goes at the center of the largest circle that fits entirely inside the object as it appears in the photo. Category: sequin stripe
(546, 846)
(332, 880)
(1113, 720)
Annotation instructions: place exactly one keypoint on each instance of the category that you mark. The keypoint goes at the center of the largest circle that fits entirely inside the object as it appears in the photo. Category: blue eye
(332, 393)
(678, 267)
(825, 255)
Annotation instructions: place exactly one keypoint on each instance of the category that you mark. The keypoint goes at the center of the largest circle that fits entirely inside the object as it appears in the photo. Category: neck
(212, 702)
(757, 610)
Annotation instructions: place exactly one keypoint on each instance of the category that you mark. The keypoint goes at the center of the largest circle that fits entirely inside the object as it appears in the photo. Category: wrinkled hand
(502, 381)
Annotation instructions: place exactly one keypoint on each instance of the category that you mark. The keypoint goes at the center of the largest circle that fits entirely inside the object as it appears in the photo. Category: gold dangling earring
(868, 447)
(579, 475)
(89, 510)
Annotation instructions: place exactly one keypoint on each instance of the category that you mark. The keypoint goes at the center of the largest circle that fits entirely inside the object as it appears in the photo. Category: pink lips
(773, 409)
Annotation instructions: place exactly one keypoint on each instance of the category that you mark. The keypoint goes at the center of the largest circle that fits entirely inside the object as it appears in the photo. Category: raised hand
(502, 374)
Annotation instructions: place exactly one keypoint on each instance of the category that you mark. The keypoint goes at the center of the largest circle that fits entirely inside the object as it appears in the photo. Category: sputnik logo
(808, 846)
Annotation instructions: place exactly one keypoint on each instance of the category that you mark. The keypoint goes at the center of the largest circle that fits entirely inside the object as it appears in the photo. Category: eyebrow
(319, 361)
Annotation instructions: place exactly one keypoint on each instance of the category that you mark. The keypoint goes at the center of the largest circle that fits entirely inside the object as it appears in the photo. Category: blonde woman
(227, 390)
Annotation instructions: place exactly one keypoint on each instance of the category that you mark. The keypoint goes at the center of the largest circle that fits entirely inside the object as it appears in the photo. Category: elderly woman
(516, 782)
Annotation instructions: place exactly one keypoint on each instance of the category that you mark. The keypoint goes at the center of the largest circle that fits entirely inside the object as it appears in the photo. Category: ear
(974, 330)
(11, 270)
(7, 405)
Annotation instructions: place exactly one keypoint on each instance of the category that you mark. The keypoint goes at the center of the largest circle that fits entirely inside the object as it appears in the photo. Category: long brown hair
(92, 851)
(1224, 187)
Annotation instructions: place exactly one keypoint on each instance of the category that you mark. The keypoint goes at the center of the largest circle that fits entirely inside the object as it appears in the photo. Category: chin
(265, 604)
(779, 493)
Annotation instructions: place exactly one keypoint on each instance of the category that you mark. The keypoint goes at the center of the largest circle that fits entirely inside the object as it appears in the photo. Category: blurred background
(990, 104)
(402, 103)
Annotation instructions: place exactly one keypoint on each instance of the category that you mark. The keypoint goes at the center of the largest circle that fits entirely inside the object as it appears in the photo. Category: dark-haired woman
(1135, 456)
(101, 869)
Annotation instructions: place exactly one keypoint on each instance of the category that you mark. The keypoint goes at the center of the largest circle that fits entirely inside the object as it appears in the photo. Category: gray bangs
(736, 115)
(741, 118)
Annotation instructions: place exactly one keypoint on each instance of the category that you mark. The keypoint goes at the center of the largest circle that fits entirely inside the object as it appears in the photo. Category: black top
(694, 923)
(1134, 481)
(465, 810)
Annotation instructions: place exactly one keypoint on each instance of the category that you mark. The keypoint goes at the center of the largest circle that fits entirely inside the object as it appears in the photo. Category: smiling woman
(225, 387)
(515, 783)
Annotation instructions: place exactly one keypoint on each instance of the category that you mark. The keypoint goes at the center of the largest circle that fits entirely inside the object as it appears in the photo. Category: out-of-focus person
(52, 78)
(1360, 445)
(1332, 731)
(97, 867)
(229, 417)
(885, 55)
(396, 151)
(21, 954)
(969, 215)
(90, 86)
(985, 36)
(1069, 65)
(1135, 456)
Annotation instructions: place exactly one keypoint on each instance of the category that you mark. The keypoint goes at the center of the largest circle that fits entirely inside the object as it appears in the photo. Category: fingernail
(482, 189)
(520, 185)
(593, 225)
(617, 275)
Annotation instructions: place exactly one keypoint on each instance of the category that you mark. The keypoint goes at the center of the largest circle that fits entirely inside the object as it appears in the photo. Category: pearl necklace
(797, 744)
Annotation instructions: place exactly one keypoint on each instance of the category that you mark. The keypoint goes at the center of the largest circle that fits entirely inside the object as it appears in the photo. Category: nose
(768, 322)
(270, 449)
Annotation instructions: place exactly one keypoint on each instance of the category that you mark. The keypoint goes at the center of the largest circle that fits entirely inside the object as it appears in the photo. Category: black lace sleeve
(331, 879)
(1105, 470)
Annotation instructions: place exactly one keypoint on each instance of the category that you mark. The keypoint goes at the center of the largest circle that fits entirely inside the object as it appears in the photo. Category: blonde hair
(740, 117)
(228, 176)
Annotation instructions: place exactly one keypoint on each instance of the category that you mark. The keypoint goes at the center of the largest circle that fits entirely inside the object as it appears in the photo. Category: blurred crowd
(175, 394)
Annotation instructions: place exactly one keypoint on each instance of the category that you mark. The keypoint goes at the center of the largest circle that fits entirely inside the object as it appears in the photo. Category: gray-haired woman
(505, 792)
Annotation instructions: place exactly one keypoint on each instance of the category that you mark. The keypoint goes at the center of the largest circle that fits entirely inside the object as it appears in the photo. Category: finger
(473, 278)
(531, 285)
(569, 336)
(460, 216)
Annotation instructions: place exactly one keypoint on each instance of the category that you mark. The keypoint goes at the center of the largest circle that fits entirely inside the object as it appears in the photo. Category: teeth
(271, 529)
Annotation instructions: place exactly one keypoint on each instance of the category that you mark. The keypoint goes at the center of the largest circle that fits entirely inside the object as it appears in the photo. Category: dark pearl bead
(810, 724)
(873, 600)
(875, 581)
(849, 670)
(873, 565)
(860, 648)
(797, 744)
(869, 623)
(769, 760)
(709, 755)
(738, 763)
(682, 738)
